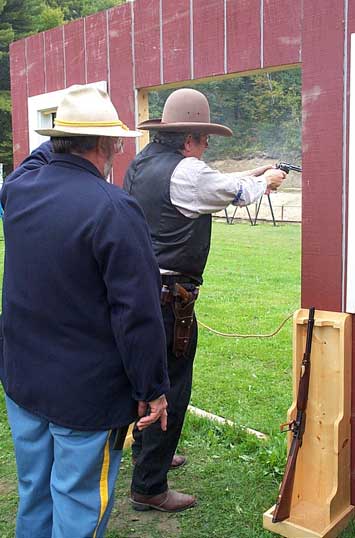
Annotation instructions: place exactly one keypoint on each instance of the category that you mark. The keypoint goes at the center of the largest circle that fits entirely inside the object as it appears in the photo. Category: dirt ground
(139, 524)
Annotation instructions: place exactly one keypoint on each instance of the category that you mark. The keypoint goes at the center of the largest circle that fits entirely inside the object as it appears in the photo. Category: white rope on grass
(235, 335)
(210, 416)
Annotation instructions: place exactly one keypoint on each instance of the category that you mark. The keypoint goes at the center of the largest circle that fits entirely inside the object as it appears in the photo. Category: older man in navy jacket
(83, 337)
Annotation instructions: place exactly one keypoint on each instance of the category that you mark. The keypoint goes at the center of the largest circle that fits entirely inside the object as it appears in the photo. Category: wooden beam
(143, 115)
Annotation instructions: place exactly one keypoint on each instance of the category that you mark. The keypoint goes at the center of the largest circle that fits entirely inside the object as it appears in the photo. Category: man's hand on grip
(274, 178)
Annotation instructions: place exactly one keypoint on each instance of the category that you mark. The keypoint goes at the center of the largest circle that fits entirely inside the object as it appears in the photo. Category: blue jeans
(66, 477)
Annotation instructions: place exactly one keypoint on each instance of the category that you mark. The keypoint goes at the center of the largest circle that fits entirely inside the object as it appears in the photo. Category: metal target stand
(253, 221)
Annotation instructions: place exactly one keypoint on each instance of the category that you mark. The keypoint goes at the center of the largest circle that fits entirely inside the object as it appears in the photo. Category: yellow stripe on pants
(104, 482)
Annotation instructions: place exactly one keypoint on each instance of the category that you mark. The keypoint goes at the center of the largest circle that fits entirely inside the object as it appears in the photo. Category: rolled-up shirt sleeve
(197, 189)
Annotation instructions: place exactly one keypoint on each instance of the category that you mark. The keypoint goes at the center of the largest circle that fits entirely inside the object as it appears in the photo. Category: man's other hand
(274, 178)
(157, 411)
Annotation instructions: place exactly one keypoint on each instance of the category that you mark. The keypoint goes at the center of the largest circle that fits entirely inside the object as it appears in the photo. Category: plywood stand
(320, 505)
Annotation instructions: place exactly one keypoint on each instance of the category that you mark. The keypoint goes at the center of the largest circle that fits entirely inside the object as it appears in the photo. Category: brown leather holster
(182, 302)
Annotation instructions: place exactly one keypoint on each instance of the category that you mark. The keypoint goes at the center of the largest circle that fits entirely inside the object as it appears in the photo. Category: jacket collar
(75, 160)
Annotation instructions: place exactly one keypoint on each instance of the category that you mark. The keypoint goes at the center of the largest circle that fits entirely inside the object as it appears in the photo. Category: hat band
(65, 123)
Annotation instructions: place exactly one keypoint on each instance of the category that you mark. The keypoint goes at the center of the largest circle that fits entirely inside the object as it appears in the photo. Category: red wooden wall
(149, 43)
(152, 42)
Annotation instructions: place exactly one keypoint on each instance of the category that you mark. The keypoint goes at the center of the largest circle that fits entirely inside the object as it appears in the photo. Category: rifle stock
(297, 426)
(283, 503)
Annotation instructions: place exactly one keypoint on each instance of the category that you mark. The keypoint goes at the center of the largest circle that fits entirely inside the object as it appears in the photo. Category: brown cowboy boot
(169, 501)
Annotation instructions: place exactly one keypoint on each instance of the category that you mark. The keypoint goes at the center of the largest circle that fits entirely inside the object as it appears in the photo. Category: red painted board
(243, 35)
(208, 37)
(35, 66)
(147, 43)
(351, 30)
(176, 40)
(282, 32)
(54, 59)
(74, 52)
(352, 463)
(96, 46)
(18, 73)
(121, 80)
(322, 139)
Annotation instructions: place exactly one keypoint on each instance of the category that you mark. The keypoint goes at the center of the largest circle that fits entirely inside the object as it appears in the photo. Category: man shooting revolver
(178, 192)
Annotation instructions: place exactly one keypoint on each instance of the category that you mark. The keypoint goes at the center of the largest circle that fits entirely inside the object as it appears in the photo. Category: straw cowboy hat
(186, 110)
(87, 110)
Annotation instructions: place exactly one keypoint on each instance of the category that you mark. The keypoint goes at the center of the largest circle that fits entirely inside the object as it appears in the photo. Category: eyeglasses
(118, 145)
(204, 139)
(200, 138)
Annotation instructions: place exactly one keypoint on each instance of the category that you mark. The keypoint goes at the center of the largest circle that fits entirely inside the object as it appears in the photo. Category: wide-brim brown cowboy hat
(186, 110)
(87, 111)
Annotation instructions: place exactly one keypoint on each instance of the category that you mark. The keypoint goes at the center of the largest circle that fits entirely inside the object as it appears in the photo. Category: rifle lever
(287, 426)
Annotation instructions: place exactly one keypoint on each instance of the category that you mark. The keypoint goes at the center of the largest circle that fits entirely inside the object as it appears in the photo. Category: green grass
(252, 282)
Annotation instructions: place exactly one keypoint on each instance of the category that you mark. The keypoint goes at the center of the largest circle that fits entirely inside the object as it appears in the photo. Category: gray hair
(174, 140)
(74, 144)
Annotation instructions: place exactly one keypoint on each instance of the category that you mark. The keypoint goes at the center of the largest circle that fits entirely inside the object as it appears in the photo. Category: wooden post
(143, 114)
(320, 506)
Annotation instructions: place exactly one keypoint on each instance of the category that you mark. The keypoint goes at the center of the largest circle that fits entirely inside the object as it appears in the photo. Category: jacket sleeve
(39, 157)
(123, 250)
(36, 159)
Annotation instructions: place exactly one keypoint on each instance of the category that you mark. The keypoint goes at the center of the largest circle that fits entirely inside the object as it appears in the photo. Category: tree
(50, 18)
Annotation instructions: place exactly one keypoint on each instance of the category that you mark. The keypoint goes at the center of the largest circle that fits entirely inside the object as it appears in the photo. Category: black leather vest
(180, 243)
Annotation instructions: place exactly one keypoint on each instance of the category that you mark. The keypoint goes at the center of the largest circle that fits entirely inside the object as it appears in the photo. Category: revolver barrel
(286, 167)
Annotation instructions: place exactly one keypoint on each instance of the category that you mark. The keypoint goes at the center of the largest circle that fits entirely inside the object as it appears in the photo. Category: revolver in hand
(286, 167)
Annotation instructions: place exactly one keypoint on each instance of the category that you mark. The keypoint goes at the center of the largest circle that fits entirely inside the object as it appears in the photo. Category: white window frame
(40, 109)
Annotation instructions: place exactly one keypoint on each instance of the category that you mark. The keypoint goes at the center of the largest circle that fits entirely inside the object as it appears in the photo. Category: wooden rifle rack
(320, 506)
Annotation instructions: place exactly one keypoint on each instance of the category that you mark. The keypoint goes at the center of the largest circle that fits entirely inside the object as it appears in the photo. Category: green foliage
(50, 18)
(6, 36)
(5, 131)
(264, 112)
(21, 16)
(5, 101)
(74, 9)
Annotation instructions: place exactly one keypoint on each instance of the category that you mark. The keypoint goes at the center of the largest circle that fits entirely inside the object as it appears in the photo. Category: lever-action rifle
(297, 427)
(286, 167)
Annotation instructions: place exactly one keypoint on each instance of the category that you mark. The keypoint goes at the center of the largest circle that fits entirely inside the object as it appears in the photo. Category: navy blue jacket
(83, 336)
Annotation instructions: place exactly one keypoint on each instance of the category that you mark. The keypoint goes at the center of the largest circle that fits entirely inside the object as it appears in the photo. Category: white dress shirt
(197, 189)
